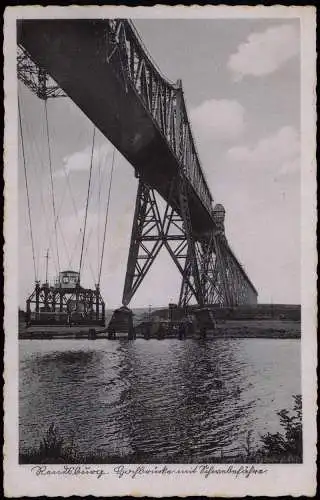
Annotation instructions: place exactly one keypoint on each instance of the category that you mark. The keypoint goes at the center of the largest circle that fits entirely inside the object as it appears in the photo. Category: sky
(241, 82)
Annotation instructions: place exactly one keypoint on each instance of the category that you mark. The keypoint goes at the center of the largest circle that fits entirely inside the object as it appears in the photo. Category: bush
(286, 446)
(51, 444)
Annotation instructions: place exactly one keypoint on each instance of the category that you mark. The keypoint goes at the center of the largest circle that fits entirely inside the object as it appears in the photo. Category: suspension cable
(74, 249)
(102, 180)
(51, 178)
(87, 202)
(106, 219)
(34, 149)
(57, 219)
(86, 252)
(99, 205)
(75, 209)
(28, 134)
(27, 190)
(64, 241)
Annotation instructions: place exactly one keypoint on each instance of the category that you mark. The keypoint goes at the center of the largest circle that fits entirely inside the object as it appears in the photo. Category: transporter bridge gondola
(64, 300)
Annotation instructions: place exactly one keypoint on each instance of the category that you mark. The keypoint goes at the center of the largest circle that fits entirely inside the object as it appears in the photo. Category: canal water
(166, 400)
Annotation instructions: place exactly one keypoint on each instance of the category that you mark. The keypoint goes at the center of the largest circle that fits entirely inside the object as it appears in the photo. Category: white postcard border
(286, 479)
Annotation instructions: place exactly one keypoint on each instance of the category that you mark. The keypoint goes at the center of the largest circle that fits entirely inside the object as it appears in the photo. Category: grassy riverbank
(281, 447)
(263, 328)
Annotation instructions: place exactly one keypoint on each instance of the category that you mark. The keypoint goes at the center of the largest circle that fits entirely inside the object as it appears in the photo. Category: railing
(163, 100)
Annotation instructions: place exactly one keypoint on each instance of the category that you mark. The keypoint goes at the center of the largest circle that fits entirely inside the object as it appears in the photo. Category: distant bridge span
(103, 67)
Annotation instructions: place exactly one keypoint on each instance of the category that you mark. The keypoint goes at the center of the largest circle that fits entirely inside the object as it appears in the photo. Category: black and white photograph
(159, 204)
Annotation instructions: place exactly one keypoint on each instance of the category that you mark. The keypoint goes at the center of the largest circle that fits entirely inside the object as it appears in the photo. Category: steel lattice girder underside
(65, 49)
(102, 67)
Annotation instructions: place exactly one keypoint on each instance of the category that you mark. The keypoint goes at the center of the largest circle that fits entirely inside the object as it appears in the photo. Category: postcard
(160, 251)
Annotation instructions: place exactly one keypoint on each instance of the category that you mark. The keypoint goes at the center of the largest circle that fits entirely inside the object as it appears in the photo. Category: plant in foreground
(286, 445)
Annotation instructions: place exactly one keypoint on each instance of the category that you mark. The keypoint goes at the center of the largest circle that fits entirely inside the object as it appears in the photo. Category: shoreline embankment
(225, 329)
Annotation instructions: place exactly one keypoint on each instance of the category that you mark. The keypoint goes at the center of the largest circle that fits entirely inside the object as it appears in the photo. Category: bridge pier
(121, 322)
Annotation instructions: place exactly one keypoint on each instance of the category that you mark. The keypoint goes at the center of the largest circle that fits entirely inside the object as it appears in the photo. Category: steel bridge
(104, 68)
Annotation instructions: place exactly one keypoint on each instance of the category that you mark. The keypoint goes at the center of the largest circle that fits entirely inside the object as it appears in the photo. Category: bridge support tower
(210, 273)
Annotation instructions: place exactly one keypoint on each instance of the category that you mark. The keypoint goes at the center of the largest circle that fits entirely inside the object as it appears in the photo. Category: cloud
(290, 167)
(218, 119)
(265, 52)
(79, 161)
(279, 152)
(260, 188)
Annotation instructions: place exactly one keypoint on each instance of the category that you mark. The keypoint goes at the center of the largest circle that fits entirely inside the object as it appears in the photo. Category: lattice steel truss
(210, 272)
(36, 78)
(164, 100)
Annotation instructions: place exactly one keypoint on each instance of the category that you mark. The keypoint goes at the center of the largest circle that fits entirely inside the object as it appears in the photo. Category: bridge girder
(104, 68)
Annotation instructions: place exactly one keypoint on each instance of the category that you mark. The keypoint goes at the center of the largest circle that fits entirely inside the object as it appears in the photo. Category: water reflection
(166, 400)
